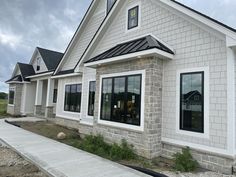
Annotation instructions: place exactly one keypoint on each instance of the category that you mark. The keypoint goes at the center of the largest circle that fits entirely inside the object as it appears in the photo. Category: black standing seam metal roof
(50, 58)
(137, 45)
(230, 28)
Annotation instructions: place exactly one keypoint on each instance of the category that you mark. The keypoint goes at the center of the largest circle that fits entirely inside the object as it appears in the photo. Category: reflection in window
(54, 95)
(11, 96)
(92, 89)
(73, 98)
(121, 99)
(133, 17)
(192, 101)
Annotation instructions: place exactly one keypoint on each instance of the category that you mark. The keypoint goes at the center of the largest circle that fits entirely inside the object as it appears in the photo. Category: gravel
(13, 165)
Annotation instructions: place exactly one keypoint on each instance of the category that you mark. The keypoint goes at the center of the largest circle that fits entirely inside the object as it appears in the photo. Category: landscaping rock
(61, 136)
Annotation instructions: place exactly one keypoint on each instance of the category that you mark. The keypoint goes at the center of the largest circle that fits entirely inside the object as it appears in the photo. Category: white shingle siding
(195, 46)
(85, 36)
(89, 74)
(61, 97)
(43, 67)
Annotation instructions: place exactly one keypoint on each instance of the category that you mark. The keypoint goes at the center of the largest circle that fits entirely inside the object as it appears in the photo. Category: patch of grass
(3, 108)
(184, 161)
(97, 145)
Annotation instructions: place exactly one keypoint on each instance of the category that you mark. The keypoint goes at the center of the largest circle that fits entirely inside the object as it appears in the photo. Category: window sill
(127, 127)
(193, 134)
(12, 105)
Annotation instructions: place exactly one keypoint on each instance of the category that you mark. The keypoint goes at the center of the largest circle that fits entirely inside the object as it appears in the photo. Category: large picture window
(192, 102)
(133, 15)
(92, 89)
(121, 99)
(11, 96)
(73, 98)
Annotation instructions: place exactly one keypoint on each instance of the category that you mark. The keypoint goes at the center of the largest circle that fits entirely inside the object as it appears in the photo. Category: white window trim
(123, 125)
(206, 103)
(64, 90)
(13, 88)
(139, 17)
(87, 101)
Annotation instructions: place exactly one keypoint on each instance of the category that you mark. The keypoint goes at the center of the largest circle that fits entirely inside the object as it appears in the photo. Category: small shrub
(184, 161)
(97, 145)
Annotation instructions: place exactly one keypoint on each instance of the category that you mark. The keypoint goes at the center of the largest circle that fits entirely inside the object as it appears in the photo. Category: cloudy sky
(25, 24)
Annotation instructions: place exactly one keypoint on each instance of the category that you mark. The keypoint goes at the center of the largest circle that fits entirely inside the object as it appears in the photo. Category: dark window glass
(134, 100)
(121, 99)
(38, 64)
(92, 90)
(11, 96)
(54, 95)
(118, 103)
(133, 17)
(73, 98)
(192, 102)
(106, 99)
(110, 4)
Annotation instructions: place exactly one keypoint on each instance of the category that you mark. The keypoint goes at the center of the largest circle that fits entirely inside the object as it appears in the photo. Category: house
(156, 73)
(32, 78)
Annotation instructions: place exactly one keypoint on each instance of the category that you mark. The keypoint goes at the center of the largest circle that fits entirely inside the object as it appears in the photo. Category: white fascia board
(230, 42)
(141, 54)
(98, 33)
(66, 75)
(17, 82)
(200, 18)
(76, 35)
(40, 75)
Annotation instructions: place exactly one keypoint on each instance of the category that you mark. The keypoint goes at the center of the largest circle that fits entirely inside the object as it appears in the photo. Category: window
(121, 99)
(38, 64)
(92, 89)
(73, 98)
(11, 96)
(110, 4)
(192, 102)
(133, 15)
(54, 95)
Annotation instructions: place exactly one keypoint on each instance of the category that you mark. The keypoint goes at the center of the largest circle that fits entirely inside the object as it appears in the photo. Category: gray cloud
(51, 24)
(27, 24)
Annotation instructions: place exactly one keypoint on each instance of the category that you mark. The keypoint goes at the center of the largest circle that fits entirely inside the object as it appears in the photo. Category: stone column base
(49, 112)
(38, 110)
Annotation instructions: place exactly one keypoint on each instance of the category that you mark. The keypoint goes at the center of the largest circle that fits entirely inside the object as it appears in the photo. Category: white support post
(39, 92)
(49, 101)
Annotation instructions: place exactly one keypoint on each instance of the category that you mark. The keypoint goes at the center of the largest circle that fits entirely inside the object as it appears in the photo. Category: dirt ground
(12, 165)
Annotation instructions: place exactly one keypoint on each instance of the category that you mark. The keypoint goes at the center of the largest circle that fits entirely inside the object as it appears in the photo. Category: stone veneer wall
(207, 160)
(15, 110)
(148, 142)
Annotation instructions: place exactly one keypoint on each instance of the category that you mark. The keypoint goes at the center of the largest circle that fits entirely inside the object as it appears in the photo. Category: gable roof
(26, 70)
(199, 13)
(17, 78)
(50, 58)
(75, 34)
(137, 45)
(174, 4)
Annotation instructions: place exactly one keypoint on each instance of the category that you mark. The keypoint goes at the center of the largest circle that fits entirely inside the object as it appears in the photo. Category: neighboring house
(156, 73)
(32, 78)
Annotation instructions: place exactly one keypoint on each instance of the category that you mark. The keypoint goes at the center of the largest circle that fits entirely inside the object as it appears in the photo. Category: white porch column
(39, 92)
(49, 100)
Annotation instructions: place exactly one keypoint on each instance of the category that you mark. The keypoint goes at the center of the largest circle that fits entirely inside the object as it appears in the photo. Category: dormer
(44, 60)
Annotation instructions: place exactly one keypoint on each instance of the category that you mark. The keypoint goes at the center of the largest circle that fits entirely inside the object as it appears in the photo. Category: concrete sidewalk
(58, 159)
